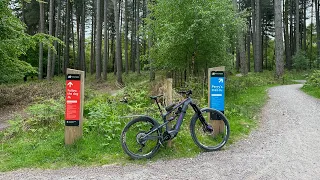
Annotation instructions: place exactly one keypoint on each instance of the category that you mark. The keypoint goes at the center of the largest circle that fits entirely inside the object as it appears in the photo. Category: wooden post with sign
(216, 93)
(74, 105)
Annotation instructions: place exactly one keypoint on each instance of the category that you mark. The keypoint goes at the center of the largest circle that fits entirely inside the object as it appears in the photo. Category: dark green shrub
(314, 79)
(300, 61)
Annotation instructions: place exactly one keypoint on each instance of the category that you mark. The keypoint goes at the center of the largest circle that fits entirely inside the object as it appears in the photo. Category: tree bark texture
(41, 30)
(98, 40)
(57, 33)
(67, 40)
(106, 42)
(49, 63)
(297, 26)
(278, 39)
(126, 40)
(286, 36)
(137, 36)
(258, 38)
(118, 41)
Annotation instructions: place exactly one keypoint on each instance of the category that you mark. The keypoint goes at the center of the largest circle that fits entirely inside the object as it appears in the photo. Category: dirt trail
(285, 146)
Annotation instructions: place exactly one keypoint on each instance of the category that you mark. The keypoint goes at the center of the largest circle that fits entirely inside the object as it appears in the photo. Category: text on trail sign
(72, 114)
(217, 91)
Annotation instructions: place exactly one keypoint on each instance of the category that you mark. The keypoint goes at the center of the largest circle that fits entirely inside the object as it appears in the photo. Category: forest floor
(16, 98)
(8, 113)
(285, 146)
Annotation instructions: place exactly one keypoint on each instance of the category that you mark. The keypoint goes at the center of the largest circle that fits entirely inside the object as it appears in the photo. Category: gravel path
(285, 146)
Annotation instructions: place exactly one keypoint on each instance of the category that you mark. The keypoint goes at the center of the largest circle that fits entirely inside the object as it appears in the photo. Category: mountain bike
(142, 136)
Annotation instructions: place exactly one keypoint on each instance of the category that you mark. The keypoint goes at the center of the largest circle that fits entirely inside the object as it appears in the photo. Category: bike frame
(185, 103)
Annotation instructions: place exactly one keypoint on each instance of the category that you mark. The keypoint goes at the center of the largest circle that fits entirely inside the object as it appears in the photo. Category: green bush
(39, 118)
(314, 79)
(300, 61)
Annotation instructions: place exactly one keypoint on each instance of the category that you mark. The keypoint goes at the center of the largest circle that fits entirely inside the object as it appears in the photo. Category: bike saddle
(170, 107)
(155, 97)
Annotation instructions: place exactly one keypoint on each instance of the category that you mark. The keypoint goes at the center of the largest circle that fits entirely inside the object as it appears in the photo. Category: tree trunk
(49, 62)
(292, 44)
(93, 34)
(126, 37)
(83, 38)
(278, 39)
(57, 33)
(106, 42)
(258, 37)
(304, 39)
(150, 44)
(41, 30)
(67, 36)
(317, 3)
(144, 15)
(253, 20)
(297, 26)
(286, 36)
(75, 58)
(248, 45)
(266, 50)
(311, 34)
(133, 38)
(118, 41)
(98, 40)
(137, 36)
(241, 44)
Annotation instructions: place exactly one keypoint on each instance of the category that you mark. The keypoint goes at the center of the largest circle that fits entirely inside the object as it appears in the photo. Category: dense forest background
(183, 38)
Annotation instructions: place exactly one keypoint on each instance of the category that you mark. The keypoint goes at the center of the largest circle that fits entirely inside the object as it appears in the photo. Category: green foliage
(312, 86)
(48, 113)
(236, 85)
(14, 43)
(40, 118)
(314, 79)
(300, 61)
(188, 29)
(105, 117)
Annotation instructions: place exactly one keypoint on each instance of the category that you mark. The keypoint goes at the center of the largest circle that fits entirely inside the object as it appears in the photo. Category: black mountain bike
(142, 136)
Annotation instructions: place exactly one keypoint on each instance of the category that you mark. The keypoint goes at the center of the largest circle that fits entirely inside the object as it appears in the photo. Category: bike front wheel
(140, 138)
(212, 134)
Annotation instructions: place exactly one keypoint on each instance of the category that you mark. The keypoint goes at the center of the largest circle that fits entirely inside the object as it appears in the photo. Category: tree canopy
(13, 43)
(187, 31)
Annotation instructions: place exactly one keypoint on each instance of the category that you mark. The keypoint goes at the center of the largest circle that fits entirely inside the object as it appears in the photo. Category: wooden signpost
(216, 95)
(74, 105)
(168, 97)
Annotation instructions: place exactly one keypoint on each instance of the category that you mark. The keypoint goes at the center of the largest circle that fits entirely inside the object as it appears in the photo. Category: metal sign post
(216, 95)
(74, 105)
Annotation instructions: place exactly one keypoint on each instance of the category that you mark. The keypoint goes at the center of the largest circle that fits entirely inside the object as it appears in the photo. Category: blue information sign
(217, 85)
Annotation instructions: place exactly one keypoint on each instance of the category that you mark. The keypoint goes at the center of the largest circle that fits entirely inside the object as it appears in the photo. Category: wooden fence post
(168, 98)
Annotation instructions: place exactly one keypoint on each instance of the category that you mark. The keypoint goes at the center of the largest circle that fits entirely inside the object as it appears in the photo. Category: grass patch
(26, 145)
(312, 91)
(312, 86)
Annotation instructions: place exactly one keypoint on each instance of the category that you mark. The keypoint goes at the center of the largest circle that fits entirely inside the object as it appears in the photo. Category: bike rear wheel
(135, 141)
(214, 136)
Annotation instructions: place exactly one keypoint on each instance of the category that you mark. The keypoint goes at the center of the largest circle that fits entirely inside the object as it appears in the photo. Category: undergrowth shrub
(26, 93)
(107, 115)
(235, 85)
(300, 61)
(48, 113)
(313, 80)
(39, 118)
